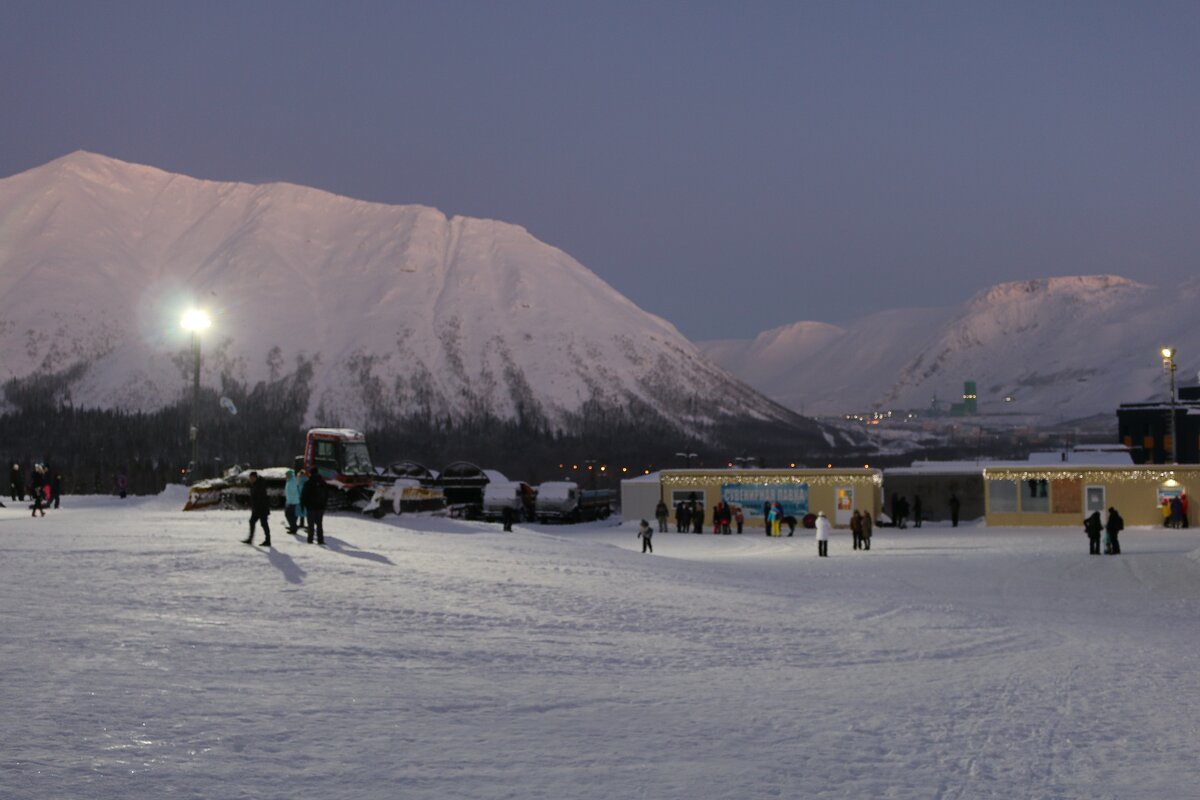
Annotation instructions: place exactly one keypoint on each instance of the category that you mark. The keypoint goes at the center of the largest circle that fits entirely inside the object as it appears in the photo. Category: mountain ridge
(1054, 348)
(390, 310)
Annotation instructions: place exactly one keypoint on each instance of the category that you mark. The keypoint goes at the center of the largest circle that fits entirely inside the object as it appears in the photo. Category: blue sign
(792, 497)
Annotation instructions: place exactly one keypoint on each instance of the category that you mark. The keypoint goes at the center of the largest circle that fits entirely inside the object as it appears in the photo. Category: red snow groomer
(342, 458)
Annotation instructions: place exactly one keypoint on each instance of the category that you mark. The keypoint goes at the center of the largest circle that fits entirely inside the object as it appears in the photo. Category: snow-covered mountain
(396, 309)
(1059, 347)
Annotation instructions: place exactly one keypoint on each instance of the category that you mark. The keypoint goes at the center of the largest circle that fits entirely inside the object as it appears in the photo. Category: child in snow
(645, 532)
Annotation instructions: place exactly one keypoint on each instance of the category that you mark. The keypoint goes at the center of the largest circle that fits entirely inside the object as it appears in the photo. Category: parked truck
(564, 501)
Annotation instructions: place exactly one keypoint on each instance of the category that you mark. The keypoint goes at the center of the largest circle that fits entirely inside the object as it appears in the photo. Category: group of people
(1107, 530)
(689, 517)
(44, 487)
(305, 498)
(1175, 511)
(821, 524)
(902, 511)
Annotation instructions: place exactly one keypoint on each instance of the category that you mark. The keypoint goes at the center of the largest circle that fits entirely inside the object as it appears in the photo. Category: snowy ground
(146, 653)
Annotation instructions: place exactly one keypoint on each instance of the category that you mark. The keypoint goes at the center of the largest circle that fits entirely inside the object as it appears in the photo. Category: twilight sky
(731, 166)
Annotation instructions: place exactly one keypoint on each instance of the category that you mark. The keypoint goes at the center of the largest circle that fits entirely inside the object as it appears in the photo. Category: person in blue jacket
(291, 500)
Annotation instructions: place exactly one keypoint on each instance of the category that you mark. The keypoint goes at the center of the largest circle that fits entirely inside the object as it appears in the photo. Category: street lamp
(195, 320)
(1168, 357)
(688, 457)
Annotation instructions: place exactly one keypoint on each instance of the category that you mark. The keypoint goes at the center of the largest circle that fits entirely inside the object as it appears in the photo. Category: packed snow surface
(148, 653)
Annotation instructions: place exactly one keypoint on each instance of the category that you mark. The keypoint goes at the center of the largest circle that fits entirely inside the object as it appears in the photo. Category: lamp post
(687, 457)
(195, 320)
(1168, 357)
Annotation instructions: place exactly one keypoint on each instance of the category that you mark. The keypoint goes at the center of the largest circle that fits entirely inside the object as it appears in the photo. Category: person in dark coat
(1114, 525)
(1176, 512)
(697, 518)
(867, 525)
(260, 509)
(683, 517)
(661, 514)
(56, 488)
(954, 507)
(36, 490)
(16, 483)
(507, 515)
(916, 511)
(856, 529)
(314, 497)
(1092, 526)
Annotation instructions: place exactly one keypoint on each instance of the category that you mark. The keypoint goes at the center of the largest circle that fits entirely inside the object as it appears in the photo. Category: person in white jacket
(823, 529)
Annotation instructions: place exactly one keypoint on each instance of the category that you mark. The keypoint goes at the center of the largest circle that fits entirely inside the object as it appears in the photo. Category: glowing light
(195, 319)
(1168, 352)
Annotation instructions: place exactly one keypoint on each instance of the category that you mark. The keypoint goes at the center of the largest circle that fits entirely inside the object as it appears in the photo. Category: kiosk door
(845, 505)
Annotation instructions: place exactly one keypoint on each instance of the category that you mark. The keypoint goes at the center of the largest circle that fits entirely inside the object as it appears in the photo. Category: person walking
(314, 497)
(37, 490)
(954, 506)
(291, 501)
(645, 534)
(1113, 526)
(661, 513)
(1092, 527)
(739, 517)
(697, 518)
(856, 529)
(916, 511)
(56, 488)
(122, 485)
(301, 513)
(867, 525)
(260, 509)
(16, 482)
(823, 529)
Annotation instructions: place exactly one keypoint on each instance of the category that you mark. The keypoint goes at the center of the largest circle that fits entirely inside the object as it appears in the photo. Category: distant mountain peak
(1076, 345)
(1078, 286)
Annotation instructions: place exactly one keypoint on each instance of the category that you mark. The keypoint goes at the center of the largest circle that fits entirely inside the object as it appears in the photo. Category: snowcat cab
(341, 456)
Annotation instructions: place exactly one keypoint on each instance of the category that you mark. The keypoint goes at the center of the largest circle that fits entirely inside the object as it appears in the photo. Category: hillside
(374, 311)
(1059, 347)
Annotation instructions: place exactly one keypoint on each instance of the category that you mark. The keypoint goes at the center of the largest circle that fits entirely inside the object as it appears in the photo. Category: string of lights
(824, 477)
(1108, 474)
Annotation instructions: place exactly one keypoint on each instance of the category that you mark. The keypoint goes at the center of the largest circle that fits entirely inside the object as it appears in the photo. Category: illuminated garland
(814, 478)
(1098, 473)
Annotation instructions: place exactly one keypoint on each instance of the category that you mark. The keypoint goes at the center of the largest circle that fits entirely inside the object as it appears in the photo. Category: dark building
(1145, 428)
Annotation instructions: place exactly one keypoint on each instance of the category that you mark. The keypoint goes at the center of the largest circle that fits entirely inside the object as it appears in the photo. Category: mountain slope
(1060, 347)
(380, 310)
